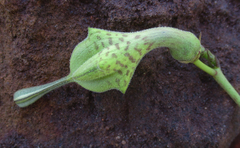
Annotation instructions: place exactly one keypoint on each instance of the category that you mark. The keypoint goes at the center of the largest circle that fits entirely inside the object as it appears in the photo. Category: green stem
(224, 83)
(221, 80)
(27, 96)
(204, 67)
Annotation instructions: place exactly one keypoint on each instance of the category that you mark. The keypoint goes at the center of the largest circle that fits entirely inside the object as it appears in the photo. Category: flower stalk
(216, 72)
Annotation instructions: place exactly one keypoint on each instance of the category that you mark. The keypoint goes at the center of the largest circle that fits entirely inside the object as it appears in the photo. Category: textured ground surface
(167, 104)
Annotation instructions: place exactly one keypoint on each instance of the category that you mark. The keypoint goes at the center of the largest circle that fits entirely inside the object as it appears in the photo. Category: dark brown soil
(167, 104)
